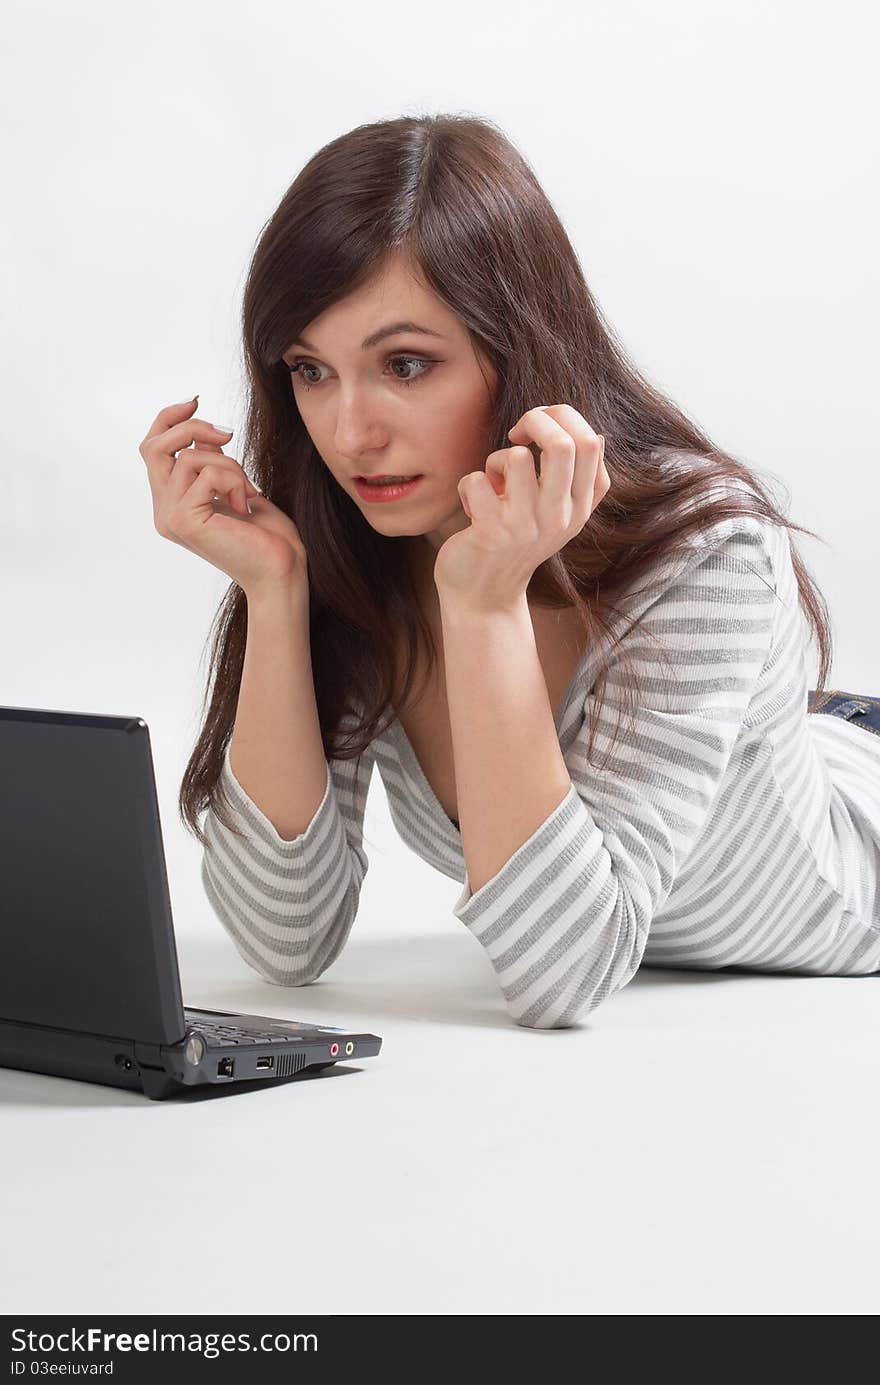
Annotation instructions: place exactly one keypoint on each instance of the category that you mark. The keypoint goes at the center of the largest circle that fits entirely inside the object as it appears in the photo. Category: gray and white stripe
(727, 829)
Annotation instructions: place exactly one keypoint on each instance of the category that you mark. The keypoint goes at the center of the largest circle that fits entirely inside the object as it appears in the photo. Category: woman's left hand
(518, 521)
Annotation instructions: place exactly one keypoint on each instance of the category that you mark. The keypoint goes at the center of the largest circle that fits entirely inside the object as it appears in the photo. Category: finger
(213, 482)
(558, 452)
(216, 448)
(165, 419)
(603, 480)
(559, 459)
(160, 451)
(193, 461)
(477, 495)
(589, 452)
(172, 413)
(162, 444)
(520, 482)
(579, 482)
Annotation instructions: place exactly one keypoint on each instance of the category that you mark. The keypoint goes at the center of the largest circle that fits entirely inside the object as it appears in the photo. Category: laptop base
(155, 1071)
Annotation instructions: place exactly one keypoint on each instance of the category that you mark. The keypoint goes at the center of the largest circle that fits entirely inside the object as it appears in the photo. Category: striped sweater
(728, 828)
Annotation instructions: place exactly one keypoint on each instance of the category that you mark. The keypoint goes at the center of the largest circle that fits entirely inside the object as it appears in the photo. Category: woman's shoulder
(750, 521)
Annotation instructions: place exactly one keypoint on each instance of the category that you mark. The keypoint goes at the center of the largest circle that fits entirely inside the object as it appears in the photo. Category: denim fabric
(859, 708)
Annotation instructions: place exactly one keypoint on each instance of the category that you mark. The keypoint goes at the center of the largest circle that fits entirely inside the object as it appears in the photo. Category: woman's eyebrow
(374, 338)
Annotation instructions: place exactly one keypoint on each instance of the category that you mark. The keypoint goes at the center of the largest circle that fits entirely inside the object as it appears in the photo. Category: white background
(715, 167)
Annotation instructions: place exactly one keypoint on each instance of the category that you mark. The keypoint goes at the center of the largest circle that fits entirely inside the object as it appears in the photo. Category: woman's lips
(393, 491)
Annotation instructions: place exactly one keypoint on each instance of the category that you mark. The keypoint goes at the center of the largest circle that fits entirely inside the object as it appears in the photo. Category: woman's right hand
(258, 550)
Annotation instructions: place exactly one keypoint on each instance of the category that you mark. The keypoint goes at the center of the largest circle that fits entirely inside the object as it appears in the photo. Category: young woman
(571, 635)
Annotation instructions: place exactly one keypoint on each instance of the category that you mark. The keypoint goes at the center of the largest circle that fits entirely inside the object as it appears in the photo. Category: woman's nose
(356, 432)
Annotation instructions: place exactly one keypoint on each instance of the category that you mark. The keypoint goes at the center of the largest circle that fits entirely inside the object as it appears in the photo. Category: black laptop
(89, 979)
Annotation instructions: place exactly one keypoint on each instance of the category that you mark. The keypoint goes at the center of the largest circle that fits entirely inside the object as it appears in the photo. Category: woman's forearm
(277, 753)
(510, 773)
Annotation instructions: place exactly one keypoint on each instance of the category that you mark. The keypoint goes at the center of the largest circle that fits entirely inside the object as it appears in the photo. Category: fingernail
(218, 428)
(250, 511)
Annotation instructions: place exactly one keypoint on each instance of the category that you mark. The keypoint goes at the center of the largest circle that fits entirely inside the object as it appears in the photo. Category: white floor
(704, 1143)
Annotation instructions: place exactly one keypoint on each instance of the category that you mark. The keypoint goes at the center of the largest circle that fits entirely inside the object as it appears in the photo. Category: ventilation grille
(286, 1063)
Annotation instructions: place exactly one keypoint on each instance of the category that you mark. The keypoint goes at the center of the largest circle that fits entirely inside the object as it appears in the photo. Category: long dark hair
(453, 194)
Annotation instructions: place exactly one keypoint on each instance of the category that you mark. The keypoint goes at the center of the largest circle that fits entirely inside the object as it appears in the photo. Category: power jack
(226, 1067)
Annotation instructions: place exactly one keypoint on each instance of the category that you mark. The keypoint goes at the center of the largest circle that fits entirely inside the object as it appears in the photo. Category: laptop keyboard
(227, 1035)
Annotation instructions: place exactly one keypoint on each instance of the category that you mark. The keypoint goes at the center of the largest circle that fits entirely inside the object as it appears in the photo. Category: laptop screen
(88, 942)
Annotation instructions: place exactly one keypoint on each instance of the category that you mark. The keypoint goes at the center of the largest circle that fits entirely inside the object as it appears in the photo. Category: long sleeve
(565, 921)
(289, 906)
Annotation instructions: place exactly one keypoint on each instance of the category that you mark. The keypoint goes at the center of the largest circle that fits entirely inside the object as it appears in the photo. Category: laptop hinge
(148, 1054)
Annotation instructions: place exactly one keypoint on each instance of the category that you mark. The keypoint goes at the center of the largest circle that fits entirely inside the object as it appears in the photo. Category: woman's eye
(297, 367)
(412, 360)
(425, 365)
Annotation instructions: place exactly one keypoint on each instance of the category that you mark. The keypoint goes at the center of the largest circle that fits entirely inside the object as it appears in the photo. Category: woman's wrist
(280, 595)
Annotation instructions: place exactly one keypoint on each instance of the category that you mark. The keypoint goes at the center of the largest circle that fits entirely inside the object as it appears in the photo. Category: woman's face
(405, 405)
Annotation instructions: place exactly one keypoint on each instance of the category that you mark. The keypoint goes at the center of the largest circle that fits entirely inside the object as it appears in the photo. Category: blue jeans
(858, 708)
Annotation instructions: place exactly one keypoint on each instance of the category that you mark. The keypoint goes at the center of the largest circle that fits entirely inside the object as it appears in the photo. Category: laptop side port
(265, 1063)
(226, 1067)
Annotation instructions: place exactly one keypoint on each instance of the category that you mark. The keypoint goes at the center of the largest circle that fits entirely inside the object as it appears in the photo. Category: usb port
(265, 1063)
